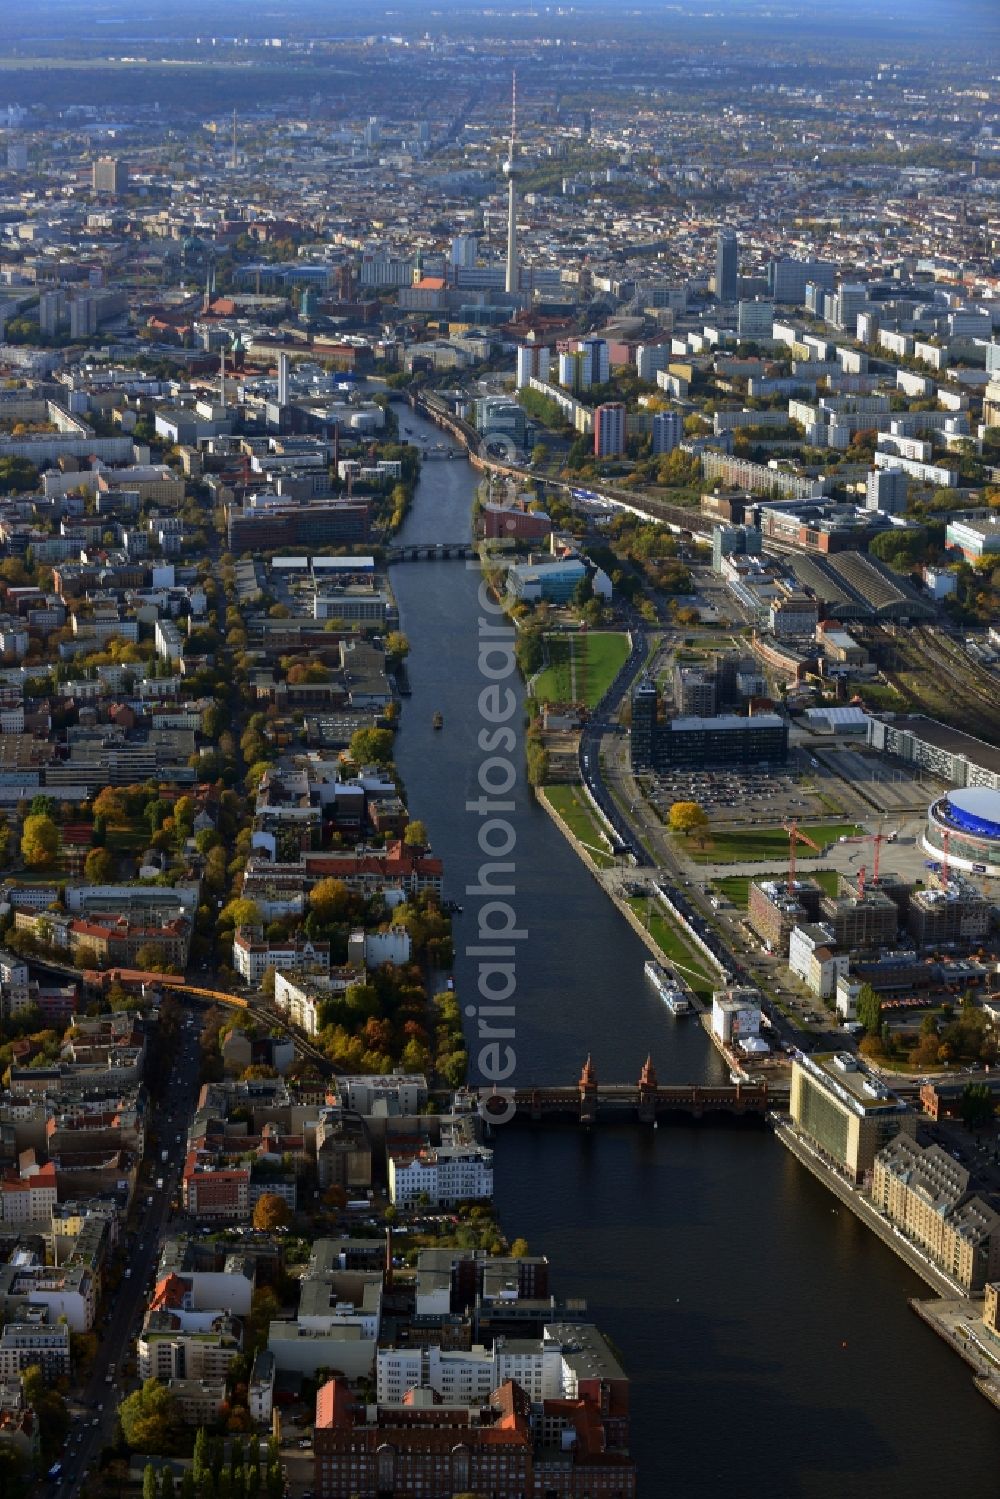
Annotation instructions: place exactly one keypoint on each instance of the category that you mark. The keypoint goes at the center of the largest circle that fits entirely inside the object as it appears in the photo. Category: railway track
(923, 648)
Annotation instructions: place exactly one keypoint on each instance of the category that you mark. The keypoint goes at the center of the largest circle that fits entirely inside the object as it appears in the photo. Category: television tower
(234, 163)
(511, 169)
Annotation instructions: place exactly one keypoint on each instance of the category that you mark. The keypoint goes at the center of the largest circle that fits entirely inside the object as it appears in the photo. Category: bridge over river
(429, 551)
(591, 1102)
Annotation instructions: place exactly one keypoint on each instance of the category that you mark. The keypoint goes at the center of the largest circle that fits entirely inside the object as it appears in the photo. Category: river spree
(766, 1333)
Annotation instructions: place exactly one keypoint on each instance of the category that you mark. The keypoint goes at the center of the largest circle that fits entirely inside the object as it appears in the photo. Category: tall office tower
(645, 705)
(373, 132)
(851, 299)
(609, 430)
(109, 176)
(464, 250)
(727, 266)
(17, 156)
(754, 320)
(282, 379)
(511, 168)
(668, 429)
(787, 278)
(532, 359)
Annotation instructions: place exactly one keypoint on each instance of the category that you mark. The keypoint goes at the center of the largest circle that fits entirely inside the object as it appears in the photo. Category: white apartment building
(469, 1376)
(394, 1093)
(253, 955)
(444, 1175)
(813, 958)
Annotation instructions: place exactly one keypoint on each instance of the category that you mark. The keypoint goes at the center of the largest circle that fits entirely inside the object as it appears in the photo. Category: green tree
(328, 900)
(99, 867)
(869, 1010)
(371, 746)
(39, 841)
(241, 912)
(415, 834)
(15, 1475)
(270, 1212)
(150, 1420)
(149, 1484)
(976, 1105)
(688, 818)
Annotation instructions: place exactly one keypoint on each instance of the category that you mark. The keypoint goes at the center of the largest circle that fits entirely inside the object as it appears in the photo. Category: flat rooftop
(952, 741)
(851, 1083)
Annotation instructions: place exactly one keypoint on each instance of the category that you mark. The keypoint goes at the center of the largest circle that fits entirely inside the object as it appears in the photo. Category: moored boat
(668, 988)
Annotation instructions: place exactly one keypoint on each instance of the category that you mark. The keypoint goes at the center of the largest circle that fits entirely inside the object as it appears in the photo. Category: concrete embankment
(621, 905)
(863, 1209)
(957, 1325)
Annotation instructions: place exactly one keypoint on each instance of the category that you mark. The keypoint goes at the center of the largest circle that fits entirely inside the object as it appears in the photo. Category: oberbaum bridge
(591, 1102)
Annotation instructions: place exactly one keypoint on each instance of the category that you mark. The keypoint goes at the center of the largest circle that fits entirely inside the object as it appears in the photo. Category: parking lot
(734, 795)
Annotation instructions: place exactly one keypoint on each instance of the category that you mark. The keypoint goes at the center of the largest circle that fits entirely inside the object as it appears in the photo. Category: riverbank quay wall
(985, 1370)
(689, 931)
(865, 1210)
(620, 905)
(676, 517)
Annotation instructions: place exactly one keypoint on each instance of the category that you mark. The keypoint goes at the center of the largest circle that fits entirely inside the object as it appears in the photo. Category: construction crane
(877, 839)
(796, 836)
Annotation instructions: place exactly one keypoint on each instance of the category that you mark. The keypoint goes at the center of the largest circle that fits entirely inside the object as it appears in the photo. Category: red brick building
(425, 1449)
(209, 1192)
(510, 522)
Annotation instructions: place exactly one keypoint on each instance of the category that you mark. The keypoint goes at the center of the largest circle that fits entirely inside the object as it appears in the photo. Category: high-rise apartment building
(727, 266)
(609, 430)
(668, 429)
(650, 359)
(886, 490)
(51, 311)
(109, 176)
(533, 360)
(596, 361)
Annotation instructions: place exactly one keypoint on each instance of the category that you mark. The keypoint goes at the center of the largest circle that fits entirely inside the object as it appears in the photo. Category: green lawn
(668, 936)
(736, 887)
(574, 809)
(562, 681)
(128, 837)
(765, 844)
